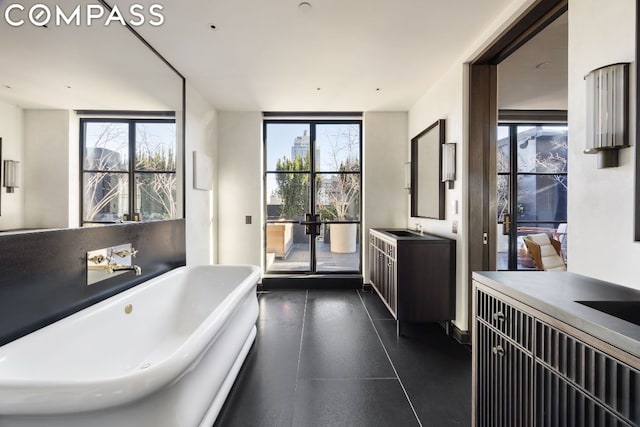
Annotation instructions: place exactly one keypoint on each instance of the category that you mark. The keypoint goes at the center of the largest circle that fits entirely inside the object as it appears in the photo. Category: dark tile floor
(332, 358)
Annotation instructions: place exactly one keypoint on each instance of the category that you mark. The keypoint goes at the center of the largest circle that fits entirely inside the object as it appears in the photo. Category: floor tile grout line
(304, 316)
(390, 361)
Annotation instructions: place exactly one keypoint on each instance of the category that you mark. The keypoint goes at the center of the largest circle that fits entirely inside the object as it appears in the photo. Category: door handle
(506, 224)
(498, 350)
(311, 224)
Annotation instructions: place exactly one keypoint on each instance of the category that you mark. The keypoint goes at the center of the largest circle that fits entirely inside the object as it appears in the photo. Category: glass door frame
(513, 175)
(313, 173)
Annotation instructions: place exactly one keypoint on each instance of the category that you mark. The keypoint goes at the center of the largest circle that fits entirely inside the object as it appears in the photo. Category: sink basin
(403, 233)
(625, 310)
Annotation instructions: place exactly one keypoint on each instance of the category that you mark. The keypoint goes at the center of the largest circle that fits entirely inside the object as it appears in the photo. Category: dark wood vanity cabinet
(504, 370)
(528, 372)
(414, 275)
(382, 270)
(504, 364)
(577, 384)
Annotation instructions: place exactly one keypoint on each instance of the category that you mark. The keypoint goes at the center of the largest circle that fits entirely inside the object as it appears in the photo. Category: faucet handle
(97, 259)
(125, 252)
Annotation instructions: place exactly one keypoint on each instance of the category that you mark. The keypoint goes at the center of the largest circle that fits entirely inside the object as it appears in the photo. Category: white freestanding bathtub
(164, 353)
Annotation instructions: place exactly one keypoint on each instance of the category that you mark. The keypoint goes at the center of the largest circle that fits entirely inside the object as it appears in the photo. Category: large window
(312, 196)
(128, 170)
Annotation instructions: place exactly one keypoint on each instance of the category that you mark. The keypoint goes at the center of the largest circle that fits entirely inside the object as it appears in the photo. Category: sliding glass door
(312, 185)
(532, 189)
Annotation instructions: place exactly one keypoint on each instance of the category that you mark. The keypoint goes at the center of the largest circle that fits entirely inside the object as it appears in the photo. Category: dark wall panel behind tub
(43, 274)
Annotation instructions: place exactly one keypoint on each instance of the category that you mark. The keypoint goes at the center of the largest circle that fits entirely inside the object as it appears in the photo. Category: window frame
(514, 173)
(314, 172)
(131, 172)
(512, 179)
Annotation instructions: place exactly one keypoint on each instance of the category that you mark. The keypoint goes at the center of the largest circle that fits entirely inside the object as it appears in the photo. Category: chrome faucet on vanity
(111, 260)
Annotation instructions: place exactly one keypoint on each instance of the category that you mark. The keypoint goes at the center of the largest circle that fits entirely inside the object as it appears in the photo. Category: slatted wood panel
(504, 388)
(609, 383)
(560, 404)
(382, 271)
(528, 372)
(515, 324)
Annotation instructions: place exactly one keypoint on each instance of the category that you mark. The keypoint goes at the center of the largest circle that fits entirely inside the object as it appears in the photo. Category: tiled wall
(43, 274)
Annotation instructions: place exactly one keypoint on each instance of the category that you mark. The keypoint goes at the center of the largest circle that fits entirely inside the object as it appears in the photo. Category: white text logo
(42, 15)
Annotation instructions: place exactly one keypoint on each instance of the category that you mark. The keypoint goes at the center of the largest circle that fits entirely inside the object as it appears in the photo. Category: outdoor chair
(545, 252)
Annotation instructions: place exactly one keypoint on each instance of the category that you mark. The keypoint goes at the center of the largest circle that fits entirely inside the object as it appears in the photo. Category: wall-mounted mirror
(49, 74)
(427, 189)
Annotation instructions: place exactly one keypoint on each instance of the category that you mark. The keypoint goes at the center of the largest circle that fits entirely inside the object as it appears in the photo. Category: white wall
(445, 101)
(73, 160)
(46, 168)
(240, 180)
(11, 132)
(448, 99)
(600, 200)
(239, 187)
(201, 218)
(385, 153)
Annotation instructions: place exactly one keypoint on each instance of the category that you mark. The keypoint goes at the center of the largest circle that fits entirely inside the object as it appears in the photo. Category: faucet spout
(110, 260)
(117, 267)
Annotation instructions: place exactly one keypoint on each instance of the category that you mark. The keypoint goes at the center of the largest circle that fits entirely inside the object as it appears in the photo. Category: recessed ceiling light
(318, 88)
(377, 89)
(305, 7)
(213, 27)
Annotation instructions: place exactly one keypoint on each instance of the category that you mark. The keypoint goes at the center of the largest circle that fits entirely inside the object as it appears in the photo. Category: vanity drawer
(503, 317)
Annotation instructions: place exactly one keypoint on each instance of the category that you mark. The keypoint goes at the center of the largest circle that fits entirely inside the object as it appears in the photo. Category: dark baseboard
(329, 281)
(463, 337)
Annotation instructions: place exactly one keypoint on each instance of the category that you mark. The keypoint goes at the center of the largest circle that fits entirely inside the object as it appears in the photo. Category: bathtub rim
(138, 383)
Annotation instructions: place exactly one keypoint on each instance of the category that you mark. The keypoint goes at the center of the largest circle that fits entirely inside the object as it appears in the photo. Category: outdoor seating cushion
(551, 260)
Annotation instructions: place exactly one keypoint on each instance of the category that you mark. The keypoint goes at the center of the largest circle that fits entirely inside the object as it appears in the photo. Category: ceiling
(341, 55)
(79, 67)
(535, 77)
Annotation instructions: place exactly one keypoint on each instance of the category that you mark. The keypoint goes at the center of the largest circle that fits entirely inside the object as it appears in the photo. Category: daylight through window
(128, 170)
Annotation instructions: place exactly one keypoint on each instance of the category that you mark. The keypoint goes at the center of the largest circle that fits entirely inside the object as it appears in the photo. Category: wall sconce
(407, 175)
(607, 113)
(449, 164)
(10, 179)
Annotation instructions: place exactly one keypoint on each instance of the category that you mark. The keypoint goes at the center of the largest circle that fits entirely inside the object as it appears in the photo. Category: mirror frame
(438, 126)
(636, 236)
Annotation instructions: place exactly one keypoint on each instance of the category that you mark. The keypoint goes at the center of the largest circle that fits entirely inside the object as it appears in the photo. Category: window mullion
(132, 164)
(128, 132)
